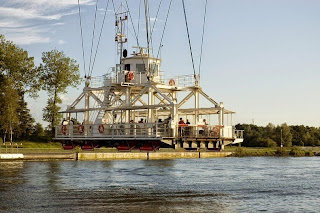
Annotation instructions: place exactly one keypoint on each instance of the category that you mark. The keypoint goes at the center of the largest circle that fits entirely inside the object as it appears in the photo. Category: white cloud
(61, 42)
(16, 17)
(30, 35)
(25, 14)
(6, 23)
(44, 5)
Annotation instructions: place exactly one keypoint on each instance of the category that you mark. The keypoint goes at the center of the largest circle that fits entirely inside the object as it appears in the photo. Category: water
(268, 184)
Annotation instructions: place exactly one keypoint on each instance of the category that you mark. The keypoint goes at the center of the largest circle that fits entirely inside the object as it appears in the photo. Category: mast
(147, 24)
(120, 37)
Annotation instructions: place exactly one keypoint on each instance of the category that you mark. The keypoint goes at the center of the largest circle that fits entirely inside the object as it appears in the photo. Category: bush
(297, 152)
(309, 153)
(281, 152)
(240, 152)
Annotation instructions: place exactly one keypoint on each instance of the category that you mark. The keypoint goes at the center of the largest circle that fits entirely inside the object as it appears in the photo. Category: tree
(16, 64)
(8, 104)
(18, 77)
(57, 73)
(26, 121)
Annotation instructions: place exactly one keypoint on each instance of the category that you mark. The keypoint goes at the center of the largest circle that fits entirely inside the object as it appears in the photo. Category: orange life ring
(64, 129)
(172, 82)
(81, 129)
(101, 128)
(216, 130)
(130, 76)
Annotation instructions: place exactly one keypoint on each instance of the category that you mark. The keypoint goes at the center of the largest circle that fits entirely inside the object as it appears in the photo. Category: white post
(174, 114)
(196, 106)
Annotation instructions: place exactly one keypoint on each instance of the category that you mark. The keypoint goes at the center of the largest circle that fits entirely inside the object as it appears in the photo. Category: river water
(271, 184)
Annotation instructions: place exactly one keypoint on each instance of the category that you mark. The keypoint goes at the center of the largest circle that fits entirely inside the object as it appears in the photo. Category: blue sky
(260, 57)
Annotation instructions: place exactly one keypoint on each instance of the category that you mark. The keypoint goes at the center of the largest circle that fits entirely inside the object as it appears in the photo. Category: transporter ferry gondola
(134, 107)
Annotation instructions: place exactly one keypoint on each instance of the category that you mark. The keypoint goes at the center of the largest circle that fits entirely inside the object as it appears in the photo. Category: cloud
(29, 21)
(30, 35)
(61, 42)
(7, 23)
(26, 14)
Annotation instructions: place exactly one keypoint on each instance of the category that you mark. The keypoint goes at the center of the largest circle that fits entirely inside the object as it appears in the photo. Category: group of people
(181, 121)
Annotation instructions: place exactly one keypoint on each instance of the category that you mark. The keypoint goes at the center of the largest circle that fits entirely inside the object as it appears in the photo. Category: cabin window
(141, 68)
(127, 67)
(154, 69)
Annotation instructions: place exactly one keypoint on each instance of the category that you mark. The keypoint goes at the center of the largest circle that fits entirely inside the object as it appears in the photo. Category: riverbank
(113, 156)
(54, 151)
(294, 151)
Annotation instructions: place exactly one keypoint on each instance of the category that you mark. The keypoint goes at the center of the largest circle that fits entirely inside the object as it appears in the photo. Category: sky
(260, 57)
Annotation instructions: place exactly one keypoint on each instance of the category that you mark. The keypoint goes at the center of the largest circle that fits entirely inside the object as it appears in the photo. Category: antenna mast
(147, 24)
(120, 37)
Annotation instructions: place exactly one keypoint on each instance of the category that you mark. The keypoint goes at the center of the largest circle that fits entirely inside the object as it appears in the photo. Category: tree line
(19, 77)
(274, 136)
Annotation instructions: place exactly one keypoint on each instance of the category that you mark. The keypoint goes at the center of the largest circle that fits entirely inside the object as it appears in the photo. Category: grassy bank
(294, 151)
(25, 147)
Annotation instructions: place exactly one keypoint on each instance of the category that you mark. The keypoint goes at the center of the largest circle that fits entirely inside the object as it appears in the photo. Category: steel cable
(203, 27)
(185, 17)
(84, 62)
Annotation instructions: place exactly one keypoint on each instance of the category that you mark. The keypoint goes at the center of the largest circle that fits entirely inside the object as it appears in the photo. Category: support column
(221, 118)
(127, 115)
(174, 114)
(86, 114)
(150, 111)
(196, 106)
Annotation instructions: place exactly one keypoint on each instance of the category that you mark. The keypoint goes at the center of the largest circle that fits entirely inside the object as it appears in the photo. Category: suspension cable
(164, 28)
(185, 17)
(150, 38)
(203, 27)
(156, 18)
(104, 17)
(139, 19)
(83, 58)
(134, 30)
(93, 32)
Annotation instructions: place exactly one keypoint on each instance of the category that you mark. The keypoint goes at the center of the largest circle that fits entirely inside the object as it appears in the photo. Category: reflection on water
(184, 185)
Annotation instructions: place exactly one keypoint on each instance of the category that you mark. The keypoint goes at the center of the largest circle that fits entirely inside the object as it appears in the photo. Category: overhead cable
(104, 17)
(203, 27)
(164, 28)
(83, 58)
(93, 32)
(185, 18)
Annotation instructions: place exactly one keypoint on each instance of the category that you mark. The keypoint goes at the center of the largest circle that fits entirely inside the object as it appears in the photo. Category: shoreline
(85, 156)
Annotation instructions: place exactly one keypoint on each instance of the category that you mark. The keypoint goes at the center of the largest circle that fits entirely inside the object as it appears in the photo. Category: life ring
(216, 130)
(172, 82)
(130, 76)
(64, 129)
(81, 129)
(101, 128)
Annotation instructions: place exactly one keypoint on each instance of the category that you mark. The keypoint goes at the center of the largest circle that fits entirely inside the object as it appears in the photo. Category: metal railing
(183, 80)
(128, 130)
(144, 130)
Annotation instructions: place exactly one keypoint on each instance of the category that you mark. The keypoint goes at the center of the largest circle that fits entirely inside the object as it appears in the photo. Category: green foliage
(51, 112)
(281, 152)
(297, 152)
(57, 73)
(16, 64)
(269, 136)
(18, 76)
(25, 126)
(246, 152)
(39, 134)
(9, 104)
